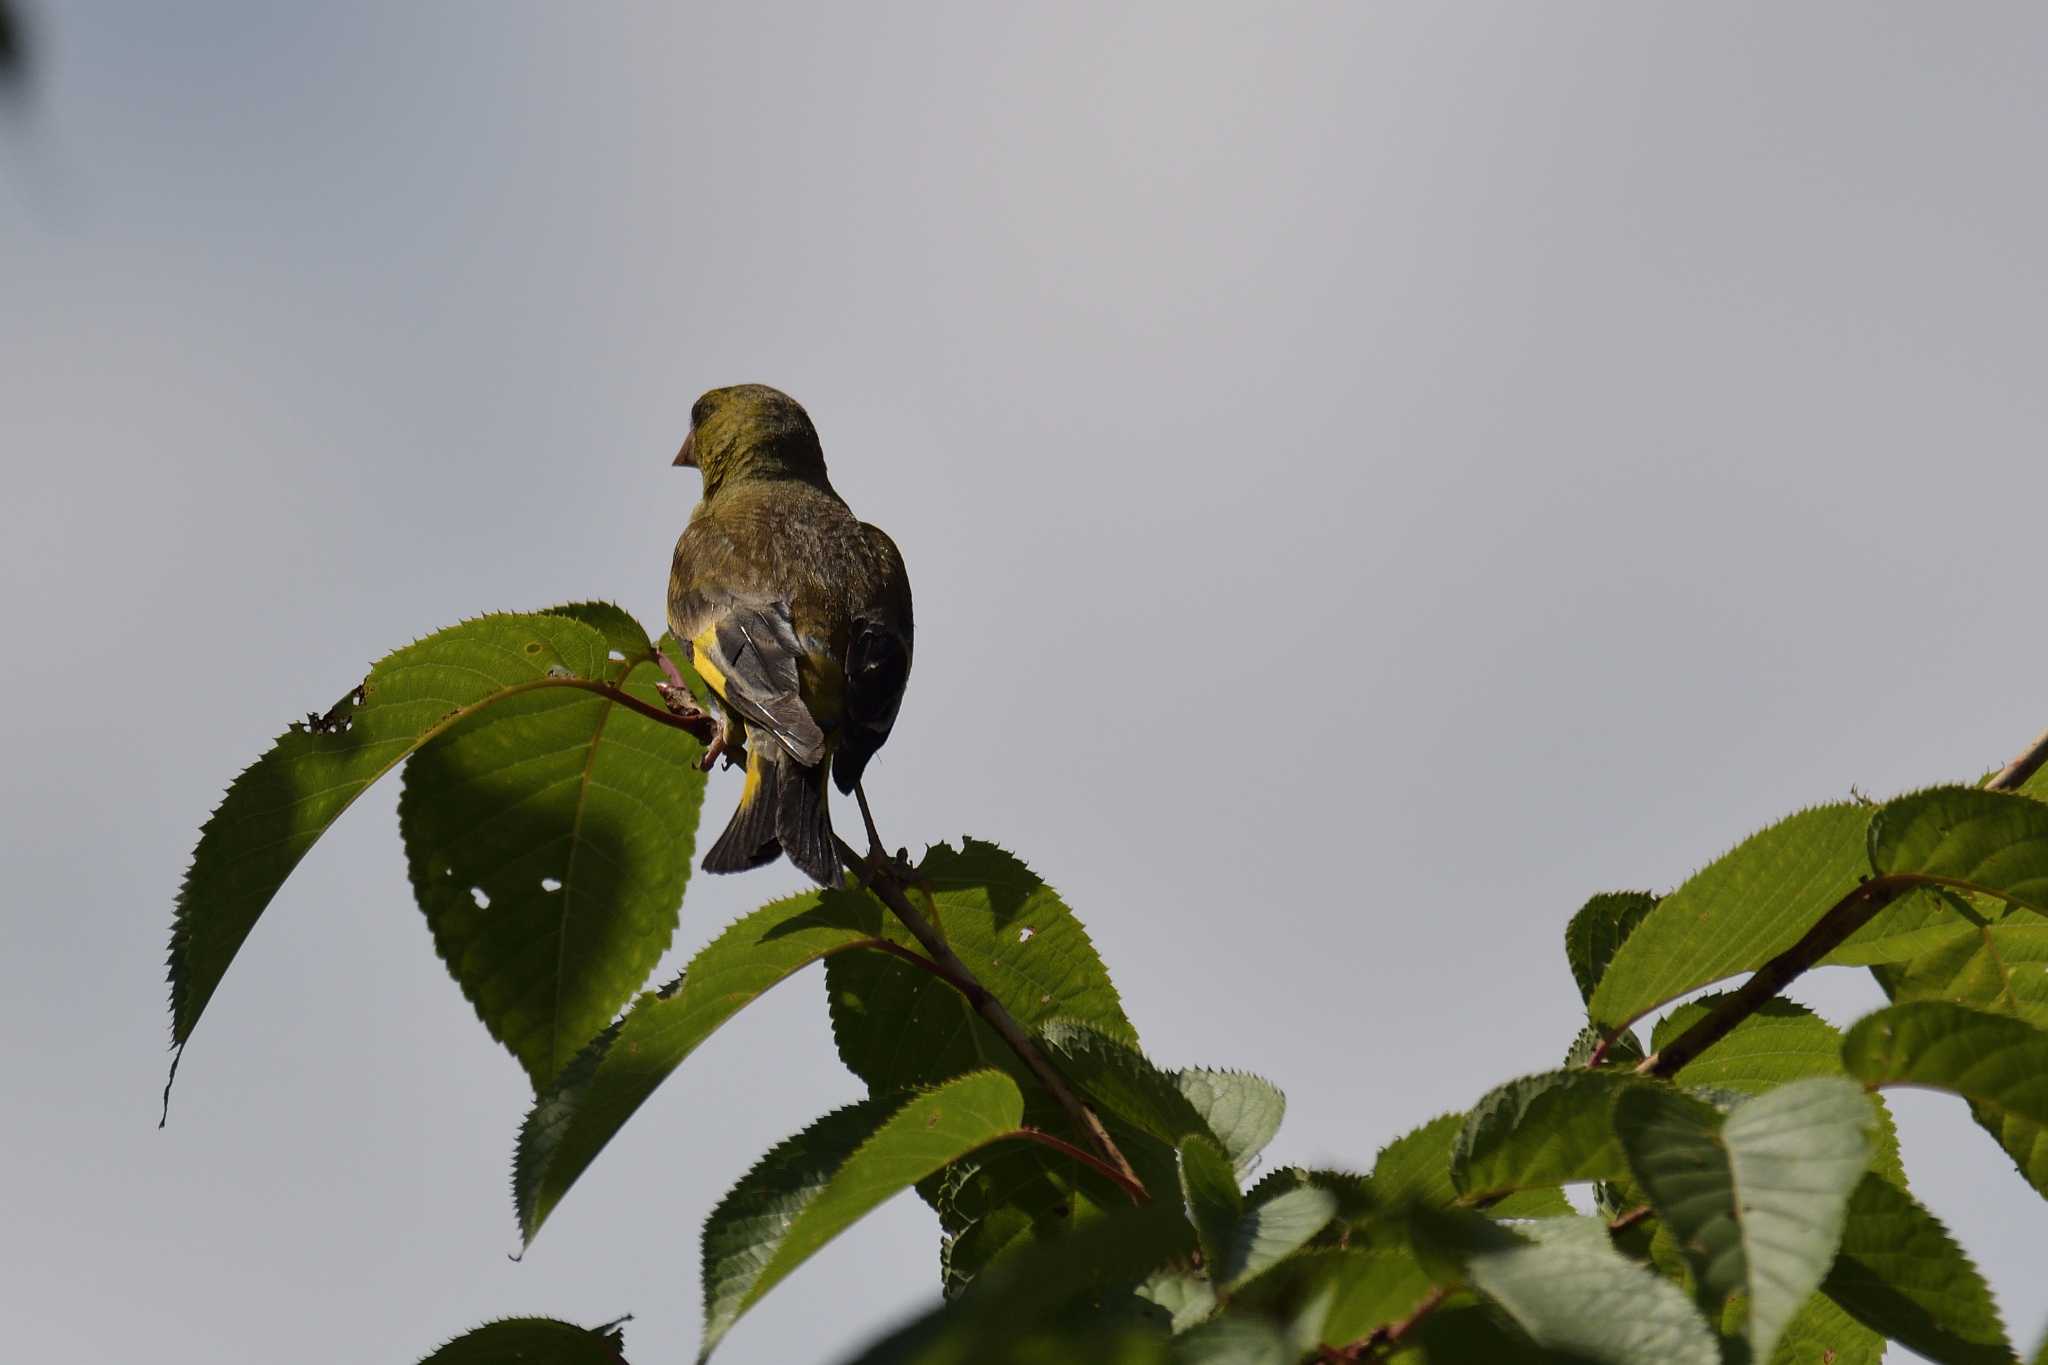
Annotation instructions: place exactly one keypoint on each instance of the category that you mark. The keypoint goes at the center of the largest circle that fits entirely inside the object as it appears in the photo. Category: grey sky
(1373, 475)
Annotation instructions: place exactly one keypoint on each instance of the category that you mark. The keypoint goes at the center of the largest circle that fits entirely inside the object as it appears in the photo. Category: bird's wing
(747, 653)
(877, 665)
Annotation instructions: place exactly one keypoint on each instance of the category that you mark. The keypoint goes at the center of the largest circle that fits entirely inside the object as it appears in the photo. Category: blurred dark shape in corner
(13, 54)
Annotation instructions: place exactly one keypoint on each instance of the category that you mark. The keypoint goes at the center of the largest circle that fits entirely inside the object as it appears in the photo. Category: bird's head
(751, 431)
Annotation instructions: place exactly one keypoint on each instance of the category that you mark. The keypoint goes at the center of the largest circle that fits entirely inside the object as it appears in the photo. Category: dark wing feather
(877, 664)
(748, 653)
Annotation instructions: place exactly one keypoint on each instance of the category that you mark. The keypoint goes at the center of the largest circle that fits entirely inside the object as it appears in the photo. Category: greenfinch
(797, 616)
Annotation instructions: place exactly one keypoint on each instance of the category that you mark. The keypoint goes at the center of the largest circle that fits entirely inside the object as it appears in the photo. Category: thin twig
(698, 727)
(876, 877)
(1844, 918)
(2022, 767)
(1088, 1159)
(1631, 1218)
(943, 962)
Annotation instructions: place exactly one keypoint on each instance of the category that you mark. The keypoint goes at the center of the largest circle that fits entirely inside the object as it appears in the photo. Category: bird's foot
(711, 753)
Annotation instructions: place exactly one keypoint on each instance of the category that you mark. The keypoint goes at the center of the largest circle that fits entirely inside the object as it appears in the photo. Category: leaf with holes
(587, 1104)
(281, 804)
(548, 838)
(1998, 1063)
(1755, 1201)
(814, 1186)
(1737, 913)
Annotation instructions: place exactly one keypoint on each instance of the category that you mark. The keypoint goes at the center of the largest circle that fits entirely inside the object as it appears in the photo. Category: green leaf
(1359, 1288)
(1756, 1202)
(592, 1098)
(281, 804)
(1143, 1107)
(1052, 1301)
(1995, 843)
(1233, 1341)
(1185, 1297)
(1415, 1170)
(1782, 1041)
(1121, 1083)
(1600, 927)
(897, 1026)
(1561, 1282)
(1998, 967)
(548, 838)
(545, 1341)
(1556, 1128)
(1900, 1273)
(997, 1203)
(1242, 1110)
(1624, 1049)
(1270, 1231)
(812, 1187)
(1921, 918)
(1822, 1334)
(1208, 1186)
(1467, 1332)
(1997, 1063)
(1737, 913)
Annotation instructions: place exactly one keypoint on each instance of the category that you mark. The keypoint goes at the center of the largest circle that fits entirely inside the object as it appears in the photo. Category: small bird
(797, 616)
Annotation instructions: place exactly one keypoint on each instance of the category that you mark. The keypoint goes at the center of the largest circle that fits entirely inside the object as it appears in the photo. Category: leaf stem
(1086, 1158)
(1844, 918)
(875, 875)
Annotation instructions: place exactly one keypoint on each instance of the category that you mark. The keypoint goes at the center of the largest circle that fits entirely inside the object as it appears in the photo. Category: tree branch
(2015, 773)
(942, 962)
(878, 879)
(1844, 918)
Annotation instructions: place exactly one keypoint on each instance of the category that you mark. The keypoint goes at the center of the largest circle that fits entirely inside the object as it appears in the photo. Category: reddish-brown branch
(1844, 918)
(1128, 1182)
(946, 964)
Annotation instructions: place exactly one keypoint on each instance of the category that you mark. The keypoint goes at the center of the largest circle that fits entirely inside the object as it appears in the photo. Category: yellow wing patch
(752, 787)
(703, 646)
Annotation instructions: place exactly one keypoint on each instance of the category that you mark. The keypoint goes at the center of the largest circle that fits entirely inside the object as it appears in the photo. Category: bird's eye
(699, 412)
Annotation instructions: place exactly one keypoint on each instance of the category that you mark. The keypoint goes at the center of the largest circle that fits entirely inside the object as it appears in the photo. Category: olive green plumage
(797, 616)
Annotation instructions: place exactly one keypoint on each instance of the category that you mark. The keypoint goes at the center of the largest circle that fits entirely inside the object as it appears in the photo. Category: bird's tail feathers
(782, 809)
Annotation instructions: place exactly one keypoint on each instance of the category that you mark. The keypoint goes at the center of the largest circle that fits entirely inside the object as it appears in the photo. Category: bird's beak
(688, 454)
